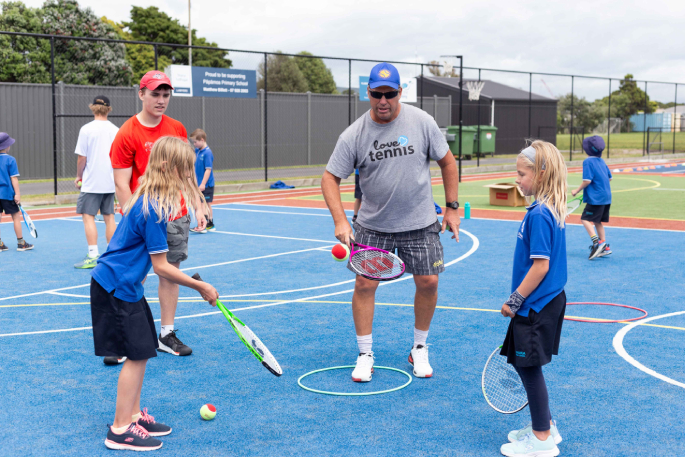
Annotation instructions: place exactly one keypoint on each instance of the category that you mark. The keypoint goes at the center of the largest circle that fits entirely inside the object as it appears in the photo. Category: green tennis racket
(574, 204)
(249, 339)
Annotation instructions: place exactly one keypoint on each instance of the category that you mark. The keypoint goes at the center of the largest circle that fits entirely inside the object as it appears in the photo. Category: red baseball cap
(153, 79)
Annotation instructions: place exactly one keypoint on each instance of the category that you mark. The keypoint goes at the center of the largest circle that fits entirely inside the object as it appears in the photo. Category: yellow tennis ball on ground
(340, 252)
(208, 412)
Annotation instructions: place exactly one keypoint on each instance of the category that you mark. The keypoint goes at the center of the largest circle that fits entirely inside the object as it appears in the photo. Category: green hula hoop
(349, 394)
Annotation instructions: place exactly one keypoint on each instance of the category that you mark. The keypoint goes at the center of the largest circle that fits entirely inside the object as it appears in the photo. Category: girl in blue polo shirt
(122, 321)
(538, 301)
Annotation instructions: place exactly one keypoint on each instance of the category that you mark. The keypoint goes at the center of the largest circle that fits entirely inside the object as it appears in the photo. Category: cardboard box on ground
(506, 194)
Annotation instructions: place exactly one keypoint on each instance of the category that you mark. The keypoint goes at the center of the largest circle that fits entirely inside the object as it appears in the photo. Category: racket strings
(502, 386)
(378, 264)
(257, 346)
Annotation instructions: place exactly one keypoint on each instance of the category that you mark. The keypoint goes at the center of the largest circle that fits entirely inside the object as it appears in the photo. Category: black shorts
(357, 187)
(532, 341)
(209, 194)
(596, 213)
(8, 206)
(121, 328)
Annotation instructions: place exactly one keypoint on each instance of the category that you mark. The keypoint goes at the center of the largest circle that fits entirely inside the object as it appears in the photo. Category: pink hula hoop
(603, 321)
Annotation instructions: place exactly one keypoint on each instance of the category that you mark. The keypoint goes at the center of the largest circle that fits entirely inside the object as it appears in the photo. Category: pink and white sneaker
(418, 357)
(364, 369)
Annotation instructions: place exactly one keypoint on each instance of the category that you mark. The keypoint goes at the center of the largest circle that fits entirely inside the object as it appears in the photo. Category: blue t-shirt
(596, 171)
(203, 160)
(127, 260)
(540, 237)
(8, 169)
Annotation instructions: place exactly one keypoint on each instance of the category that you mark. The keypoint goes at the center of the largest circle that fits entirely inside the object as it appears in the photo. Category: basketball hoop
(448, 69)
(474, 88)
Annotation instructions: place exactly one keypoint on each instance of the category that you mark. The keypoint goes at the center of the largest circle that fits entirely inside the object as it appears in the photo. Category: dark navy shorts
(532, 340)
(8, 206)
(596, 213)
(209, 194)
(420, 250)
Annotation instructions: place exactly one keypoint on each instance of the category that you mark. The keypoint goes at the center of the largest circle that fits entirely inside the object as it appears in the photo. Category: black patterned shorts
(420, 250)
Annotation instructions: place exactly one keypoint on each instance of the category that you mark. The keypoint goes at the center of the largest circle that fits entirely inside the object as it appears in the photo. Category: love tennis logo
(403, 140)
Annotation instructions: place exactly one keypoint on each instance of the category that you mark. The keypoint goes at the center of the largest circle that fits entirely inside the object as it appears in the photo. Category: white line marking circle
(620, 350)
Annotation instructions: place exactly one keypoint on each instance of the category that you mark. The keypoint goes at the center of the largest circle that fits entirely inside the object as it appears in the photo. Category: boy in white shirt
(95, 178)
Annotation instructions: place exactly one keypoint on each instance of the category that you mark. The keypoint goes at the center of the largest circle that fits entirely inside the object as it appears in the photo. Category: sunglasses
(388, 95)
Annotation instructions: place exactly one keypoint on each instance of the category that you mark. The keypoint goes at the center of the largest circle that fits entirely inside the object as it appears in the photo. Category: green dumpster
(468, 135)
(487, 140)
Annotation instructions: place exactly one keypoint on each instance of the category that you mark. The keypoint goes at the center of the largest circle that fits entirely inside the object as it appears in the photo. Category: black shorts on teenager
(121, 328)
(532, 341)
(8, 206)
(596, 213)
(357, 187)
(209, 194)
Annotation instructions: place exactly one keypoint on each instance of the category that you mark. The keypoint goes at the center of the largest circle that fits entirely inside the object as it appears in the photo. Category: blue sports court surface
(615, 389)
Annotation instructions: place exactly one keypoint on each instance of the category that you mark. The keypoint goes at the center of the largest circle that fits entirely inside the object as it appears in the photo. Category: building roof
(491, 89)
(680, 109)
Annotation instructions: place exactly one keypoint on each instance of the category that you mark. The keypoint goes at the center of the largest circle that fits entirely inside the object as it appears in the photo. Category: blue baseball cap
(594, 145)
(384, 74)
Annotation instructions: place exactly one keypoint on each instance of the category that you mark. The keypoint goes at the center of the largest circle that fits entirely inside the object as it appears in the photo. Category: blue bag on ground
(281, 185)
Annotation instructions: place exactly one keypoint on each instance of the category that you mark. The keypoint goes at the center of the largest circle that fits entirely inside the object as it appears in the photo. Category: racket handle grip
(197, 277)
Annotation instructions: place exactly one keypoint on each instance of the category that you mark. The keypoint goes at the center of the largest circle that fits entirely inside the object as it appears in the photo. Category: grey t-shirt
(394, 168)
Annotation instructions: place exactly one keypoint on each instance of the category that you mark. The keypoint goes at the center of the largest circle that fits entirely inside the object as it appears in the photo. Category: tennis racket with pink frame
(375, 264)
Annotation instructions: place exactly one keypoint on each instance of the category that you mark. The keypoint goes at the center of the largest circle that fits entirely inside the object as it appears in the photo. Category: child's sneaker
(114, 360)
(24, 246)
(3, 247)
(151, 427)
(364, 369)
(605, 252)
(87, 262)
(530, 446)
(596, 249)
(517, 435)
(418, 357)
(173, 345)
(135, 438)
(197, 230)
(210, 226)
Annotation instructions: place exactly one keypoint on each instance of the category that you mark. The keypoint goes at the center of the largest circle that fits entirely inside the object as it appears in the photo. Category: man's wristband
(515, 301)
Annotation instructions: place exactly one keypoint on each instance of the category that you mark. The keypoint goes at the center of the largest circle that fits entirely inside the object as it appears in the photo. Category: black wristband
(515, 301)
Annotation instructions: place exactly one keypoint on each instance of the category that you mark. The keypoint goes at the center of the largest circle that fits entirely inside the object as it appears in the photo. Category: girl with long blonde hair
(538, 302)
(122, 321)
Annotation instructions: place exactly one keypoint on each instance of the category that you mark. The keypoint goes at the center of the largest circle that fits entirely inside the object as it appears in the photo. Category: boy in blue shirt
(205, 176)
(597, 195)
(10, 197)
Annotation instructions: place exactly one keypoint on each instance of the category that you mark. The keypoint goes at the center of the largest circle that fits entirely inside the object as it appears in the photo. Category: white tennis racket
(29, 223)
(502, 386)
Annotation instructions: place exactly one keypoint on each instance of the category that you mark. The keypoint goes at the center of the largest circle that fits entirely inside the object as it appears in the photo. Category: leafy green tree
(319, 77)
(628, 99)
(283, 73)
(84, 62)
(24, 59)
(585, 114)
(151, 24)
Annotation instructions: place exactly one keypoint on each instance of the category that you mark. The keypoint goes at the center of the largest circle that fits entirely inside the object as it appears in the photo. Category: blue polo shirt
(8, 169)
(596, 171)
(204, 159)
(540, 237)
(127, 261)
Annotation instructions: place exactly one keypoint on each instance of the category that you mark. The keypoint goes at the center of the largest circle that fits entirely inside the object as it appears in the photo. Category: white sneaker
(530, 446)
(418, 357)
(364, 368)
(517, 435)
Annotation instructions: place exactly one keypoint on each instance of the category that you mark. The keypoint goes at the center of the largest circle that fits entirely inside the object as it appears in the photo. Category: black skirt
(531, 341)
(121, 328)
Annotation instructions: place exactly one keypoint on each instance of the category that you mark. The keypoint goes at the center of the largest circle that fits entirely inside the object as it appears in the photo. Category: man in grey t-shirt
(392, 145)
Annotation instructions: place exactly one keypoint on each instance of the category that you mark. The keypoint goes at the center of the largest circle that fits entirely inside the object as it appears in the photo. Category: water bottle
(467, 210)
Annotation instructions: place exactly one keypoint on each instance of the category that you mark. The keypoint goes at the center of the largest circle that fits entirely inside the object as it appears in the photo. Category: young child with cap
(204, 161)
(597, 195)
(10, 197)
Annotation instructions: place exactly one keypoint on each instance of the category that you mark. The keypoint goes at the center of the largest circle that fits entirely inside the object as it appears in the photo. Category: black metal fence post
(421, 102)
(266, 129)
(530, 104)
(54, 113)
(609, 123)
(644, 124)
(570, 143)
(675, 112)
(349, 92)
(156, 64)
(478, 127)
(461, 117)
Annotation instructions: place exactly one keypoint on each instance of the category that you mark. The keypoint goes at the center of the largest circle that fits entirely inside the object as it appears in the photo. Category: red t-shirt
(133, 143)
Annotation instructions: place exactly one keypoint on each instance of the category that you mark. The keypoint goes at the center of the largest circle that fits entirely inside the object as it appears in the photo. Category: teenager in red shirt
(130, 153)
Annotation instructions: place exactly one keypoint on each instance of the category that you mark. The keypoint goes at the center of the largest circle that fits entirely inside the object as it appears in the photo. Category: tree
(283, 75)
(319, 77)
(436, 70)
(151, 24)
(24, 59)
(84, 62)
(585, 114)
(628, 99)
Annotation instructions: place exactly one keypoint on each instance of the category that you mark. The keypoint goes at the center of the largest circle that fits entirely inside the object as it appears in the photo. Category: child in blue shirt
(10, 197)
(597, 195)
(122, 321)
(538, 302)
(205, 175)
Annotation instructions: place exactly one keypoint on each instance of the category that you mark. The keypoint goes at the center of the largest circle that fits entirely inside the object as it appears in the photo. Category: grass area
(657, 197)
(631, 140)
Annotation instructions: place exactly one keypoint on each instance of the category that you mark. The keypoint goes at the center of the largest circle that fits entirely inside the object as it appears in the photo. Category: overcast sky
(599, 37)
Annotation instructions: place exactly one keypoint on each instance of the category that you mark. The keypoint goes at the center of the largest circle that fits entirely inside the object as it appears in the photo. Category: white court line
(272, 236)
(620, 350)
(276, 206)
(473, 249)
(272, 212)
